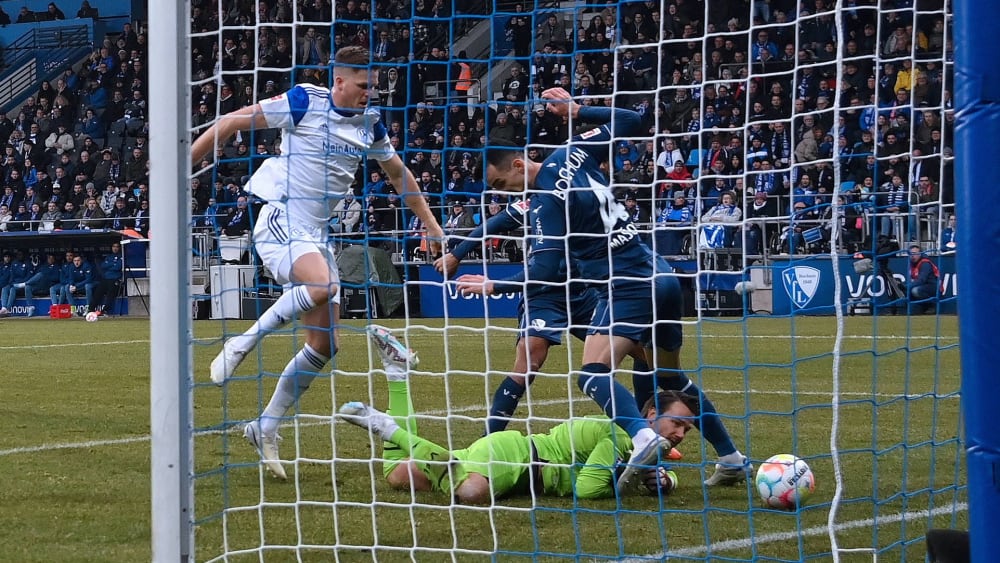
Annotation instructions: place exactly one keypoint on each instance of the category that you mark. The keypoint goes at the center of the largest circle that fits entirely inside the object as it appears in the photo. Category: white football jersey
(321, 148)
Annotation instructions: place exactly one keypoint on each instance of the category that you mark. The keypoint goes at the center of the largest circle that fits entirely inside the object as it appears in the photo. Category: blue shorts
(644, 308)
(546, 315)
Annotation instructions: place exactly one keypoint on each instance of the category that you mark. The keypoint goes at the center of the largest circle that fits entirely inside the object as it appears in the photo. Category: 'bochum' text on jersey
(572, 205)
(321, 148)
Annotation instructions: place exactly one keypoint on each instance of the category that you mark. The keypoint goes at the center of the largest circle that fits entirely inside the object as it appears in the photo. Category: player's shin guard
(400, 408)
(297, 376)
(709, 423)
(505, 401)
(618, 404)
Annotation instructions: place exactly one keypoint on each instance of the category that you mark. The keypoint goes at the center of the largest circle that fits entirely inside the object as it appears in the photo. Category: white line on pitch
(746, 543)
(705, 336)
(456, 410)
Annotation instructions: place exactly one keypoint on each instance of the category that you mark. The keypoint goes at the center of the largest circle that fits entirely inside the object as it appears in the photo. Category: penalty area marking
(746, 543)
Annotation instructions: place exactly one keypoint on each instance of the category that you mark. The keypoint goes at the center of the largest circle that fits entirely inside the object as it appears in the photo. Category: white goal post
(170, 327)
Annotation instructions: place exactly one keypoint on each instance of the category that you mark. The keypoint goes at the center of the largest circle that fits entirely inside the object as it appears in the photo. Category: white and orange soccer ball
(785, 481)
(92, 317)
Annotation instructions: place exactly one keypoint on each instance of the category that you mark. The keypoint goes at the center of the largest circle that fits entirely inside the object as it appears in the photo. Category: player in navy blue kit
(573, 210)
(545, 311)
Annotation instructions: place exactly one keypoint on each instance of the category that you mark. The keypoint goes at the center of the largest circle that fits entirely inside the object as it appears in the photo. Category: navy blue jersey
(512, 219)
(573, 209)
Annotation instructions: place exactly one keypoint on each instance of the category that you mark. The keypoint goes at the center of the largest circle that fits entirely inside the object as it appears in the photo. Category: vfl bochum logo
(363, 134)
(800, 283)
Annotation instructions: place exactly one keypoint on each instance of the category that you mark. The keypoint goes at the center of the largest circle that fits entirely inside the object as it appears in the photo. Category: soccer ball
(92, 317)
(784, 481)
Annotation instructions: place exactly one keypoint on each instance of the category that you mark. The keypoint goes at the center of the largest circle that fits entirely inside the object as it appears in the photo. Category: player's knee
(474, 490)
(406, 475)
(322, 293)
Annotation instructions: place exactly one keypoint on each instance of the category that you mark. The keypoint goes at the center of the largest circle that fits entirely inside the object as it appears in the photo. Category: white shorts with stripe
(280, 240)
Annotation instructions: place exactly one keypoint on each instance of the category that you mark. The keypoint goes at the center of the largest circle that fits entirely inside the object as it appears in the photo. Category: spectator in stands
(86, 11)
(5, 217)
(69, 220)
(458, 224)
(135, 168)
(52, 13)
(60, 141)
(51, 218)
(120, 217)
(141, 219)
(108, 283)
(26, 16)
(347, 214)
(237, 222)
(4, 20)
(91, 216)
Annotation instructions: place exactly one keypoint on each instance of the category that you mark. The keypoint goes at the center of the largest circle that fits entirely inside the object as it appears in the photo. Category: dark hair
(500, 152)
(662, 401)
(353, 56)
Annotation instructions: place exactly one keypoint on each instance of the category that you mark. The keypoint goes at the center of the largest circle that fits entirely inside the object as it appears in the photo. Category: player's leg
(667, 338)
(397, 361)
(313, 272)
(529, 356)
(301, 263)
(429, 462)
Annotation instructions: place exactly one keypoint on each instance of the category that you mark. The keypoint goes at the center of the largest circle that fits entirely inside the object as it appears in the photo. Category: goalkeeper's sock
(618, 404)
(643, 384)
(289, 306)
(295, 379)
(505, 401)
(431, 459)
(709, 423)
(400, 408)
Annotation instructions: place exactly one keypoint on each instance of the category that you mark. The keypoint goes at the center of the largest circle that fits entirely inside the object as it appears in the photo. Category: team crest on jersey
(801, 283)
(592, 133)
(522, 205)
(364, 134)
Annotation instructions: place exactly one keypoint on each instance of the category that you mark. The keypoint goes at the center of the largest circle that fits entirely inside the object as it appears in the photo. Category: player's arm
(406, 185)
(596, 477)
(250, 117)
(623, 122)
(548, 221)
(499, 223)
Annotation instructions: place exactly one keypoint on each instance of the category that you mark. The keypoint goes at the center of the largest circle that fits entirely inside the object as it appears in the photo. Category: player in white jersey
(325, 136)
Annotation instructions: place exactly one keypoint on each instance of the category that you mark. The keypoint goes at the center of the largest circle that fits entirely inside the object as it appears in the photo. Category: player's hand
(474, 284)
(435, 238)
(561, 103)
(447, 265)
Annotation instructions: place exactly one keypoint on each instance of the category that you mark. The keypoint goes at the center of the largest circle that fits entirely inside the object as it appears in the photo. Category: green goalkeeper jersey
(581, 456)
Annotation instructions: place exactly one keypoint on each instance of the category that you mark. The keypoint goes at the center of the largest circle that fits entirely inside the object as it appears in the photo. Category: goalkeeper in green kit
(576, 458)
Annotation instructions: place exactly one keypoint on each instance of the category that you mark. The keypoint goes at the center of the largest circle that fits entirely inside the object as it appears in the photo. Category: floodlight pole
(170, 312)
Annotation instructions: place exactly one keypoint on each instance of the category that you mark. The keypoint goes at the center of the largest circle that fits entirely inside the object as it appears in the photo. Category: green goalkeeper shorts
(502, 457)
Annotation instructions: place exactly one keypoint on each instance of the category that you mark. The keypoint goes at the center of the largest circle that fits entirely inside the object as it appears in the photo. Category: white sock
(642, 439)
(294, 380)
(735, 458)
(290, 305)
(395, 373)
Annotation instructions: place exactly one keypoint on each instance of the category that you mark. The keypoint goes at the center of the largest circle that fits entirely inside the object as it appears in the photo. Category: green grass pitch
(75, 452)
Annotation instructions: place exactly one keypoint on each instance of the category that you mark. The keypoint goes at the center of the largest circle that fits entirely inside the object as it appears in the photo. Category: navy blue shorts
(546, 315)
(644, 307)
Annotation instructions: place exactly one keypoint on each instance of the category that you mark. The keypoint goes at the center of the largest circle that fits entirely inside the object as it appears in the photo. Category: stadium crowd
(737, 98)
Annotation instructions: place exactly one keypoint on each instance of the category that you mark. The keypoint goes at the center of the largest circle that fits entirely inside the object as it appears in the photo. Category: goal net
(795, 167)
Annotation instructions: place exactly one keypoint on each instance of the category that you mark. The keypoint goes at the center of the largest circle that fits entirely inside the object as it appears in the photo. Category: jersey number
(611, 211)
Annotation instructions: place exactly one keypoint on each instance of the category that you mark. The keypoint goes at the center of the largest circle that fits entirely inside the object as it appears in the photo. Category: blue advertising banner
(805, 285)
(39, 307)
(438, 299)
